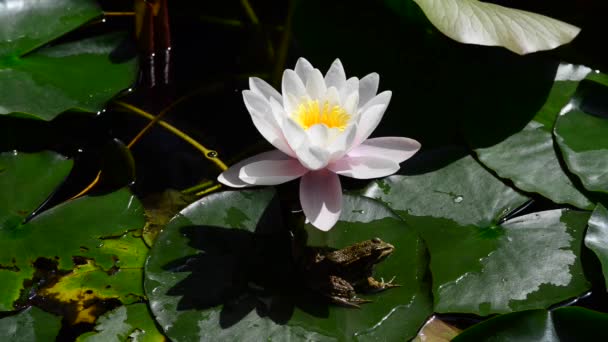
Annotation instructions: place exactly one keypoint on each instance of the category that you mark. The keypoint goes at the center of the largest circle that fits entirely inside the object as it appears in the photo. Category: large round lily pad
(223, 270)
(479, 263)
(92, 233)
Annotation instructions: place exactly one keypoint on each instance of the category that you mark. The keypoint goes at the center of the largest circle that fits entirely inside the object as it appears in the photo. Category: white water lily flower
(320, 127)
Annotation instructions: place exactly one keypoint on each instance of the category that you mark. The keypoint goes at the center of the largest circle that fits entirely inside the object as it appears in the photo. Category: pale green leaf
(476, 22)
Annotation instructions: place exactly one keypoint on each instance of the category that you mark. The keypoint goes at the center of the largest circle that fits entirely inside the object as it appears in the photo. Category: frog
(340, 274)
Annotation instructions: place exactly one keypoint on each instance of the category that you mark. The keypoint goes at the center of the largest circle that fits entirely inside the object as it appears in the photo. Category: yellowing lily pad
(93, 229)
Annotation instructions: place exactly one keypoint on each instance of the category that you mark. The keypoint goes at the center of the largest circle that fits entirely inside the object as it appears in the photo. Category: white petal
(342, 143)
(259, 86)
(476, 22)
(383, 98)
(350, 104)
(292, 83)
(303, 69)
(351, 87)
(271, 172)
(294, 133)
(318, 135)
(264, 120)
(315, 85)
(231, 178)
(278, 112)
(332, 96)
(321, 198)
(368, 87)
(273, 134)
(257, 105)
(396, 149)
(368, 121)
(364, 167)
(335, 76)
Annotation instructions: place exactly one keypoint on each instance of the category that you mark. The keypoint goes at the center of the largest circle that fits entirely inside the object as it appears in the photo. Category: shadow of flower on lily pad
(242, 271)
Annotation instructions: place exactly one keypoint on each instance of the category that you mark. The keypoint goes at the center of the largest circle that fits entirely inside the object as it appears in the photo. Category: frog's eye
(376, 240)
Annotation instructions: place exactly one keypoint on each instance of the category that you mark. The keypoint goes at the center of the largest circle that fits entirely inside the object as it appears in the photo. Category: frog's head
(380, 249)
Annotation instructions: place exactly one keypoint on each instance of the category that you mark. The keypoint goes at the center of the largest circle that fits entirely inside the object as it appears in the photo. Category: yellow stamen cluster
(310, 113)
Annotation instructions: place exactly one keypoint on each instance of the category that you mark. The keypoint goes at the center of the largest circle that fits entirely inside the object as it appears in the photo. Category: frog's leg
(351, 303)
(372, 285)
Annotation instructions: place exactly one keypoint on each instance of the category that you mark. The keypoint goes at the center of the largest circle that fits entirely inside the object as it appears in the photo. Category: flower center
(310, 113)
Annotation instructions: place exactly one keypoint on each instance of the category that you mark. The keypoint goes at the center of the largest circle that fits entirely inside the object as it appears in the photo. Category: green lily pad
(596, 237)
(563, 324)
(223, 269)
(88, 228)
(529, 159)
(125, 323)
(79, 75)
(463, 192)
(567, 78)
(29, 24)
(30, 325)
(479, 264)
(583, 138)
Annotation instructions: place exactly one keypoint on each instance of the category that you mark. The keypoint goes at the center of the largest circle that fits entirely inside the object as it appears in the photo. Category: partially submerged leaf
(563, 324)
(31, 324)
(125, 323)
(482, 23)
(436, 330)
(581, 132)
(79, 75)
(596, 238)
(28, 24)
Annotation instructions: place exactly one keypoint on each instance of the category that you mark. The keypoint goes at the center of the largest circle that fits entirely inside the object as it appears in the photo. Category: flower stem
(209, 154)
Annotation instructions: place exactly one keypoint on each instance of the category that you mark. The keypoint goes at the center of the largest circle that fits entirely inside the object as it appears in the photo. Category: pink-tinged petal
(312, 157)
(321, 198)
(259, 86)
(368, 87)
(231, 177)
(315, 85)
(303, 69)
(364, 167)
(396, 149)
(368, 121)
(381, 99)
(342, 143)
(335, 76)
(272, 172)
